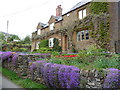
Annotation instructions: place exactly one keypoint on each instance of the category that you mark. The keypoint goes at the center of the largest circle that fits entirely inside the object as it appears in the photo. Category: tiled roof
(81, 3)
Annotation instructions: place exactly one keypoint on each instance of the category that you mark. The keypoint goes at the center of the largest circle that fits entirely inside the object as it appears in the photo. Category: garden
(56, 70)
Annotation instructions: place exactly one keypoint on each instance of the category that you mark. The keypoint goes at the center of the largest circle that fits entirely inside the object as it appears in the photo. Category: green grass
(25, 83)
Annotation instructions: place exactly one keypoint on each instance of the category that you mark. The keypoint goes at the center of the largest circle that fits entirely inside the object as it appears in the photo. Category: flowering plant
(113, 78)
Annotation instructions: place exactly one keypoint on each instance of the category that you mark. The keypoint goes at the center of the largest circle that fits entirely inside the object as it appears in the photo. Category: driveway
(6, 84)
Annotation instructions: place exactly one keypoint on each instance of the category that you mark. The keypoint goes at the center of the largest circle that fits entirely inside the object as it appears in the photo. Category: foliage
(105, 62)
(25, 83)
(2, 37)
(27, 39)
(98, 7)
(43, 50)
(56, 46)
(43, 43)
(19, 49)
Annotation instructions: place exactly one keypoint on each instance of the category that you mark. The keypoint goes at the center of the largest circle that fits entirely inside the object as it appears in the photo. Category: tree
(27, 40)
(14, 37)
(2, 37)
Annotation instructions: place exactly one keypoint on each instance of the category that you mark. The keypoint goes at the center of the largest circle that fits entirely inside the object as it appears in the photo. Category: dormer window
(52, 26)
(82, 14)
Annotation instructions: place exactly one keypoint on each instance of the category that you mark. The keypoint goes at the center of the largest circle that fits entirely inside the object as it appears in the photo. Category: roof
(78, 5)
(57, 18)
(42, 24)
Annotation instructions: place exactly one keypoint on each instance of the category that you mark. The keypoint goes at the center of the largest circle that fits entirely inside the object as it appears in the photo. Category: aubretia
(14, 58)
(113, 78)
(6, 55)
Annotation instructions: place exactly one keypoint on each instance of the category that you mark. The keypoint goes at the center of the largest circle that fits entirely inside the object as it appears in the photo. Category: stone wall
(88, 78)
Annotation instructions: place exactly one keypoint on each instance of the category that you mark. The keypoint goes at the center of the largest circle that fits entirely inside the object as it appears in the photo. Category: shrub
(59, 76)
(43, 50)
(113, 78)
(43, 43)
(56, 46)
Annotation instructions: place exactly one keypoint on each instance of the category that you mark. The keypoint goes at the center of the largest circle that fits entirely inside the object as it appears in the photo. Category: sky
(24, 15)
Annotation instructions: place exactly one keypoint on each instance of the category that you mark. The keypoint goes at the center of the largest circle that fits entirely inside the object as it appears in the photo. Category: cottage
(81, 27)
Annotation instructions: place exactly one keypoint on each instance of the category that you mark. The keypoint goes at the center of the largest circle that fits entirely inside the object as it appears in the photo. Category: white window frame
(51, 41)
(82, 13)
(37, 45)
(51, 26)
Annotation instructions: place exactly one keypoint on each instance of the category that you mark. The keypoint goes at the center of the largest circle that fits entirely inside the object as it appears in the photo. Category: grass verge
(25, 83)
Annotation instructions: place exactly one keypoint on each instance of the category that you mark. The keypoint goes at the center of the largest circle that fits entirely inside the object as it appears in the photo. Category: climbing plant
(98, 7)
(56, 46)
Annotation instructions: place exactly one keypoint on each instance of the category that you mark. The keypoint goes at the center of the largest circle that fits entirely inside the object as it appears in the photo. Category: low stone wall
(88, 78)
(22, 64)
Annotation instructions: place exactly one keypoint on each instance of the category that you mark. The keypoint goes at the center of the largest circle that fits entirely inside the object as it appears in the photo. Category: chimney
(59, 10)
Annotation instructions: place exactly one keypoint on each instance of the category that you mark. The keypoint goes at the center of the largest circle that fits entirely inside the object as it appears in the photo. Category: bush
(59, 76)
(56, 46)
(43, 43)
(43, 50)
(17, 49)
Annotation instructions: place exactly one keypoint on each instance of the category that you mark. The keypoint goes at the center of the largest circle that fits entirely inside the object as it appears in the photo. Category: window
(78, 36)
(37, 45)
(87, 34)
(39, 32)
(82, 14)
(52, 26)
(51, 42)
(83, 35)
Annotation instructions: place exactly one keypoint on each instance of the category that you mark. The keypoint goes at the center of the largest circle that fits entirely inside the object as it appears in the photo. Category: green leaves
(98, 7)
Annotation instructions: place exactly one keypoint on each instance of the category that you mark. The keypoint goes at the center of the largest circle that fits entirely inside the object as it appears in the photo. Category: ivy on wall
(97, 22)
(98, 7)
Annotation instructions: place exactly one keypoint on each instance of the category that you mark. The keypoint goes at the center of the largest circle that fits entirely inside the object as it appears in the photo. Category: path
(5, 83)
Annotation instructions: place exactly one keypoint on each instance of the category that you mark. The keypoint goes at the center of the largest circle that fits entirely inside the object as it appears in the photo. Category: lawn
(25, 83)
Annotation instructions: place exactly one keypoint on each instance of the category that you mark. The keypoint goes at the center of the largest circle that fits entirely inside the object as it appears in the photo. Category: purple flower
(113, 78)
(14, 58)
(6, 55)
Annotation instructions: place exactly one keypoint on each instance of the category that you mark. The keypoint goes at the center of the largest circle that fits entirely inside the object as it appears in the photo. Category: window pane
(51, 42)
(80, 14)
(37, 45)
(84, 13)
(82, 35)
(87, 34)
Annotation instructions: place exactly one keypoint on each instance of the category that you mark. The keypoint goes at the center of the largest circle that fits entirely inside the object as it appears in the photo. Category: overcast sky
(24, 15)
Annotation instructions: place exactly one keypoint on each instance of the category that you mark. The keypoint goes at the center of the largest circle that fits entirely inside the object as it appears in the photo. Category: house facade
(73, 29)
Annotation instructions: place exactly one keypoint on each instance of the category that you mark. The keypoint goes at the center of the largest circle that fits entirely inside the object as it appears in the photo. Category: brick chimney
(59, 10)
